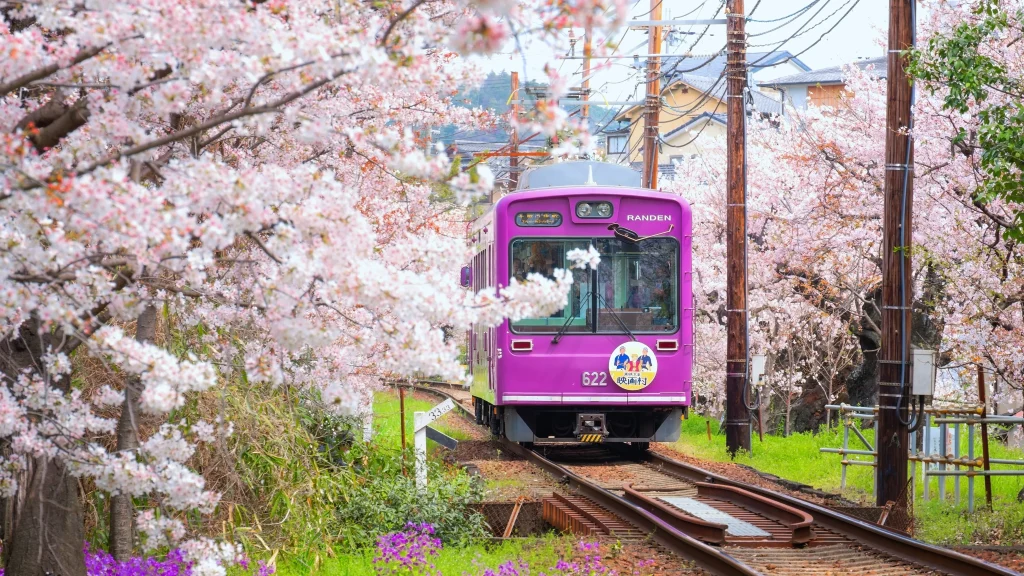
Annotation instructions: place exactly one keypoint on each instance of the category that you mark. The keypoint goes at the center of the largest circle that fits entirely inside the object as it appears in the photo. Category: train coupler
(591, 427)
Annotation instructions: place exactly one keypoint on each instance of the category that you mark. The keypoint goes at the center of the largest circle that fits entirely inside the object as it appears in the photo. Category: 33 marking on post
(436, 412)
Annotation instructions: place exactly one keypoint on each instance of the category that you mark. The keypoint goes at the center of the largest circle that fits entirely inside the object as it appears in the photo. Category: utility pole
(737, 416)
(401, 415)
(652, 104)
(986, 463)
(513, 158)
(894, 359)
(585, 85)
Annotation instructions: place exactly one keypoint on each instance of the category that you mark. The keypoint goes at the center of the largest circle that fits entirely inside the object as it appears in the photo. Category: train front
(615, 365)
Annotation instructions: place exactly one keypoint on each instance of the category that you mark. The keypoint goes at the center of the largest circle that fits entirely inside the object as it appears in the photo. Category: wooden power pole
(513, 159)
(652, 103)
(894, 360)
(585, 85)
(737, 416)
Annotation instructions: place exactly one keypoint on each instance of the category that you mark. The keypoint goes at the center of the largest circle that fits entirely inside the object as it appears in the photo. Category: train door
(478, 359)
(493, 353)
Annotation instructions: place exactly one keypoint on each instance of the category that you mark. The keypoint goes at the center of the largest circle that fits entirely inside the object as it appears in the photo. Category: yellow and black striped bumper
(591, 437)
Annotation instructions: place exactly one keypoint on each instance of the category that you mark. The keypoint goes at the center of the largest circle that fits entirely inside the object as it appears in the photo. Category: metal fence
(527, 520)
(941, 453)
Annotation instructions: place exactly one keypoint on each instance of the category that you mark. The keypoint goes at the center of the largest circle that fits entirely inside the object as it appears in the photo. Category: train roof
(579, 173)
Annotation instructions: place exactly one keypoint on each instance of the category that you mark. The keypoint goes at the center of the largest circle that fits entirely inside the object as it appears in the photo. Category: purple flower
(99, 563)
(264, 570)
(407, 552)
(588, 546)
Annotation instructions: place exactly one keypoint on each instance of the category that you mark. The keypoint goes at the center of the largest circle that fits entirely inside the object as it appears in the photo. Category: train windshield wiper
(561, 331)
(616, 316)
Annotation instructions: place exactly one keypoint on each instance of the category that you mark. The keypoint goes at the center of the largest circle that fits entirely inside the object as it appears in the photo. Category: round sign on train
(633, 366)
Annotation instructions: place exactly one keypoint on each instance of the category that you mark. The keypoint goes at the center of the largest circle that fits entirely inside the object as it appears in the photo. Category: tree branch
(263, 247)
(211, 123)
(40, 73)
(400, 18)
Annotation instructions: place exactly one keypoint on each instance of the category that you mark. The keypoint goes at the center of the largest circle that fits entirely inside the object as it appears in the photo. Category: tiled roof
(716, 87)
(720, 118)
(713, 65)
(832, 75)
(664, 170)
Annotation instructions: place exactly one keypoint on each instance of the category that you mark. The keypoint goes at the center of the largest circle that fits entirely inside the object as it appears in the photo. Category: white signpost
(420, 421)
(368, 427)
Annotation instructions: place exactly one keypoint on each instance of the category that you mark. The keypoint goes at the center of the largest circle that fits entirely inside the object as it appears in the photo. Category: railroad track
(726, 527)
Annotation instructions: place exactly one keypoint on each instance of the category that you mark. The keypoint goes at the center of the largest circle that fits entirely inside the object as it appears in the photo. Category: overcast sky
(859, 29)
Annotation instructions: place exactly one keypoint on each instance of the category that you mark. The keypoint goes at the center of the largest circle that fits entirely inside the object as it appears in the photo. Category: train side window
(476, 273)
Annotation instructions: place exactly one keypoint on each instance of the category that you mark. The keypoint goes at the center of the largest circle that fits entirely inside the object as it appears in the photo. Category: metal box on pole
(923, 383)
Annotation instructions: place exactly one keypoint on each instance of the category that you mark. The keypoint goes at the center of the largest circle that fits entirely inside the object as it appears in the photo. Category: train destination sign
(538, 219)
(633, 366)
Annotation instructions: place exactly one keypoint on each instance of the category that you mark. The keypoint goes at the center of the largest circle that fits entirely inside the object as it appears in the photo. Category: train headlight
(594, 210)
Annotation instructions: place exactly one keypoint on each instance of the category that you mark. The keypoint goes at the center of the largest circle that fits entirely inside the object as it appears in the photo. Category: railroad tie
(566, 520)
(579, 515)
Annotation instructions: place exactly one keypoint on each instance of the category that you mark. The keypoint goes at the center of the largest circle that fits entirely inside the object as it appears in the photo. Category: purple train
(616, 364)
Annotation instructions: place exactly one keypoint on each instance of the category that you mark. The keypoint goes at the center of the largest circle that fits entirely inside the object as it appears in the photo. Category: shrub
(380, 498)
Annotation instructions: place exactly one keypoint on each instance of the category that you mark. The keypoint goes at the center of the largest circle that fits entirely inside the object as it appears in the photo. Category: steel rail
(877, 537)
(707, 557)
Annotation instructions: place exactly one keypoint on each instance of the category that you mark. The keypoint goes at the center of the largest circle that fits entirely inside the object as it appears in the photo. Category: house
(763, 66)
(693, 96)
(820, 87)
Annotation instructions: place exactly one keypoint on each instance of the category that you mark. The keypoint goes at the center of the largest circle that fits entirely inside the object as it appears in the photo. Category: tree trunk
(43, 523)
(789, 393)
(789, 410)
(50, 533)
(122, 512)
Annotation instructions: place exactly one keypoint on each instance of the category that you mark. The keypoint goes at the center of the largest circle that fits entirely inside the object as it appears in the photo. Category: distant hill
(493, 94)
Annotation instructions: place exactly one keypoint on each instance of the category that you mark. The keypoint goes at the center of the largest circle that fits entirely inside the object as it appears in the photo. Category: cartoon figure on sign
(633, 366)
(621, 360)
(645, 360)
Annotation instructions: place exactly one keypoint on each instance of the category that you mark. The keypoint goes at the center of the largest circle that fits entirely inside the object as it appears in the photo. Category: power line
(820, 38)
(787, 23)
(787, 16)
(819, 23)
(694, 44)
(705, 95)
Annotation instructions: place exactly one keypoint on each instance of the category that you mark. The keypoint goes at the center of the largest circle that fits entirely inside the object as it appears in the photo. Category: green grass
(387, 422)
(538, 552)
(798, 458)
(794, 458)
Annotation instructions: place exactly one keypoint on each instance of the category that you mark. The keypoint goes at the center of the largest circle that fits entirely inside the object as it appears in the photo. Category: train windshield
(543, 256)
(636, 286)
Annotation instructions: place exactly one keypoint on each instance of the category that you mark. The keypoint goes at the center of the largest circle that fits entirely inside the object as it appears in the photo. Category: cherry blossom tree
(253, 166)
(815, 184)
